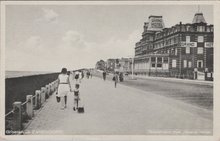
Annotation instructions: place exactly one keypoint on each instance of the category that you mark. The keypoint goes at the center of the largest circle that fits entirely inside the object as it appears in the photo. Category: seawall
(17, 88)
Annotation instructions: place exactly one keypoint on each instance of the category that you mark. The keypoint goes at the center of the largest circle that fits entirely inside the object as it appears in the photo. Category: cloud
(117, 48)
(26, 55)
(73, 52)
(73, 39)
(33, 45)
(50, 15)
(33, 42)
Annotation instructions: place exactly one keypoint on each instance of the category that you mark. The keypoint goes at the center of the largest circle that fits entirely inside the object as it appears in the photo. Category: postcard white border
(216, 111)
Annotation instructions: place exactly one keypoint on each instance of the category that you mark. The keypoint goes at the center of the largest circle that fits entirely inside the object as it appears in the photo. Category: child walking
(76, 97)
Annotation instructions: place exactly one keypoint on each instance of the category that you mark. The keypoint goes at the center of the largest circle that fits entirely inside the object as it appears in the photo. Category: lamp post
(132, 68)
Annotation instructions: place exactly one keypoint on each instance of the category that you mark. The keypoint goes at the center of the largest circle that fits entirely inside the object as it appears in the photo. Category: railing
(23, 112)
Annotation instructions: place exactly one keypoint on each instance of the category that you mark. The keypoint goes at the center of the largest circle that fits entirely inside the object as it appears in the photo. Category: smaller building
(110, 65)
(125, 65)
(100, 65)
(152, 64)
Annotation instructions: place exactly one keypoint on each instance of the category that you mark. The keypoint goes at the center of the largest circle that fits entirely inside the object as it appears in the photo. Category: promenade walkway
(120, 111)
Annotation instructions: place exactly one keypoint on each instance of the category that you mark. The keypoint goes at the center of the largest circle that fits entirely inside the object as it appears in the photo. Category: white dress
(64, 87)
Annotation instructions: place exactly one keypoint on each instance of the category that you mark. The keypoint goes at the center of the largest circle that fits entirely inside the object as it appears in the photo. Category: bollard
(42, 95)
(37, 99)
(29, 106)
(17, 116)
(46, 92)
(50, 88)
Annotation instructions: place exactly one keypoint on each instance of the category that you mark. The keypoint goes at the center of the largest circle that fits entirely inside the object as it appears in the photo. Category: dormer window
(201, 28)
(187, 28)
(212, 29)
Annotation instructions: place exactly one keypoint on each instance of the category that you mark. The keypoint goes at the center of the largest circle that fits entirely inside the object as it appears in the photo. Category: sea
(13, 74)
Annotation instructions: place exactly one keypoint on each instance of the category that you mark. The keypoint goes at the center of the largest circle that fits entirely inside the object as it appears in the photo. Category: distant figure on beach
(115, 78)
(63, 87)
(104, 75)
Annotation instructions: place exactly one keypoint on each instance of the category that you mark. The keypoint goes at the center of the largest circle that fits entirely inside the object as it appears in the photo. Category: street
(124, 110)
(198, 93)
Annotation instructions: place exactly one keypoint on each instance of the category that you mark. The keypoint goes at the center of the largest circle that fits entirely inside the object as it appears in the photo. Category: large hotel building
(183, 50)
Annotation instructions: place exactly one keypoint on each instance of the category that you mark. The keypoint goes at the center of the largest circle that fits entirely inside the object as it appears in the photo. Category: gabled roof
(198, 18)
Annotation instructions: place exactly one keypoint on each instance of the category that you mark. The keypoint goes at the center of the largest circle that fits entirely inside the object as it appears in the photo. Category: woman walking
(63, 87)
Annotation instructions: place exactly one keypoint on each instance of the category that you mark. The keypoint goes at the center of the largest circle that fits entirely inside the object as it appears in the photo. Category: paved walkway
(122, 111)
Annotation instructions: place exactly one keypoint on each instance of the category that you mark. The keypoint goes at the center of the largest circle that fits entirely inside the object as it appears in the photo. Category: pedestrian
(115, 78)
(91, 74)
(76, 77)
(80, 76)
(63, 87)
(88, 74)
(76, 97)
(104, 75)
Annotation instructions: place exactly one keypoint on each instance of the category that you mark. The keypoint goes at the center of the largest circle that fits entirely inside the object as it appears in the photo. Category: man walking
(116, 78)
(104, 75)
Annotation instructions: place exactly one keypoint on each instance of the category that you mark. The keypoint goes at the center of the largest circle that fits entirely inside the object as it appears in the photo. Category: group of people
(115, 78)
(69, 84)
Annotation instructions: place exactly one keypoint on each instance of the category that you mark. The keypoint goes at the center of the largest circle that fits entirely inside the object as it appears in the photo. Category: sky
(49, 37)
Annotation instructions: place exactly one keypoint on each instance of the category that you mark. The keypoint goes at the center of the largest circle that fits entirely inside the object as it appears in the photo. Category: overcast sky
(47, 38)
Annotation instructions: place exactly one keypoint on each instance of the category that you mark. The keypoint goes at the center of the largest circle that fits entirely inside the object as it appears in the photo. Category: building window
(200, 28)
(183, 28)
(187, 39)
(153, 59)
(192, 29)
(200, 50)
(187, 50)
(173, 63)
(153, 65)
(209, 38)
(165, 59)
(159, 65)
(187, 28)
(200, 64)
(200, 39)
(208, 29)
(184, 63)
(189, 64)
(175, 51)
(159, 59)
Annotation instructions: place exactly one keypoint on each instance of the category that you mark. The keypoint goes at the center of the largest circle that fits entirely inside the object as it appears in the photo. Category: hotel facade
(183, 50)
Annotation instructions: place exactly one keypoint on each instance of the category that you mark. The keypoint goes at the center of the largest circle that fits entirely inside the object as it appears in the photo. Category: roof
(198, 18)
